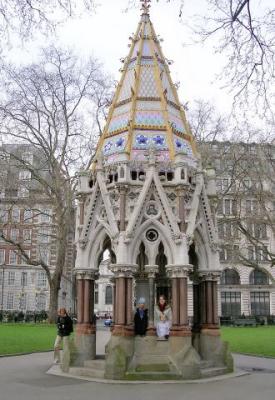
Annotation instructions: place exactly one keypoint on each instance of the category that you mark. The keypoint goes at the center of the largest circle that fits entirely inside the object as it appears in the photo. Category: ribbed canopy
(145, 111)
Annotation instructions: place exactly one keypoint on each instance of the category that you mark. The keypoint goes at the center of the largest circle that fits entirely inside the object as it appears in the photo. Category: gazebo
(147, 200)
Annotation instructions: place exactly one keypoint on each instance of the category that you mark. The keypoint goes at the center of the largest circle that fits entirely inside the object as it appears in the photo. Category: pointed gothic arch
(101, 243)
(152, 248)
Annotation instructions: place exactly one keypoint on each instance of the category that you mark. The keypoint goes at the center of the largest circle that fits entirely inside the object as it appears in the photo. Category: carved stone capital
(87, 274)
(178, 271)
(123, 270)
(151, 270)
(208, 275)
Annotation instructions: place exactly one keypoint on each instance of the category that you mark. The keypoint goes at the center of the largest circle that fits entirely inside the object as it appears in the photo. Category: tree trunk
(53, 305)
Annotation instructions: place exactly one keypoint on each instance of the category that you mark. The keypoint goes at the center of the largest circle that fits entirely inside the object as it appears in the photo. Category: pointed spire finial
(145, 6)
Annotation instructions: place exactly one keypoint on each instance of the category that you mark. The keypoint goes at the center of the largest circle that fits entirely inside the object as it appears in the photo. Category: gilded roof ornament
(145, 6)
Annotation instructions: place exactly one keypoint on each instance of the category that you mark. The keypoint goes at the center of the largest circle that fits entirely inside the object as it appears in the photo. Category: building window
(24, 279)
(27, 216)
(230, 277)
(23, 259)
(96, 293)
(256, 253)
(109, 295)
(13, 257)
(229, 253)
(23, 301)
(9, 301)
(41, 302)
(14, 235)
(251, 207)
(4, 216)
(228, 230)
(41, 279)
(25, 175)
(43, 235)
(260, 303)
(45, 216)
(15, 215)
(27, 236)
(258, 277)
(1, 277)
(231, 304)
(43, 254)
(230, 207)
(3, 235)
(2, 256)
(11, 278)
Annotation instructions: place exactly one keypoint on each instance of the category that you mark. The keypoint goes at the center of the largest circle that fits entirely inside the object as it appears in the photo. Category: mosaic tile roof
(146, 111)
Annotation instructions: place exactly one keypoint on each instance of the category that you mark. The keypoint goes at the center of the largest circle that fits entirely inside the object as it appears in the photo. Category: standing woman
(64, 329)
(163, 318)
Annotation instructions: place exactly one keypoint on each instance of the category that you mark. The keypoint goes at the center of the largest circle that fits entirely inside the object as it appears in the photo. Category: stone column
(181, 193)
(210, 345)
(86, 329)
(209, 299)
(122, 207)
(179, 275)
(123, 321)
(151, 271)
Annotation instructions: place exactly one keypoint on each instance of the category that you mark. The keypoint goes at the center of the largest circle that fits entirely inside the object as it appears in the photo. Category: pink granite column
(178, 275)
(86, 329)
(123, 322)
(209, 299)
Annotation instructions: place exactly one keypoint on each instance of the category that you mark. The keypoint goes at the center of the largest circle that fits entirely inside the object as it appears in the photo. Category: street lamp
(3, 286)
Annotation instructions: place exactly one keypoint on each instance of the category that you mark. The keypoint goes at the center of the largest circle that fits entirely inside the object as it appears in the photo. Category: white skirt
(163, 328)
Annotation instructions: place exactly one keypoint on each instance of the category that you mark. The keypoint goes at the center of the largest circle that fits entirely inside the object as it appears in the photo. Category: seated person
(141, 318)
(163, 318)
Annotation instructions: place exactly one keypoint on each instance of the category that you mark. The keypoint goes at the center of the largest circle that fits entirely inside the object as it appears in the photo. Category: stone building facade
(246, 194)
(27, 218)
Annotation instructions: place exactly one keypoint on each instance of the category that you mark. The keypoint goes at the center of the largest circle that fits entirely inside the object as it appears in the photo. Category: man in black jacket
(141, 318)
(64, 329)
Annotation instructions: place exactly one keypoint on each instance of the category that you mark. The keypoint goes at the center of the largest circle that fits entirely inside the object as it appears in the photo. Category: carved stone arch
(99, 245)
(164, 237)
(142, 259)
(262, 279)
(202, 250)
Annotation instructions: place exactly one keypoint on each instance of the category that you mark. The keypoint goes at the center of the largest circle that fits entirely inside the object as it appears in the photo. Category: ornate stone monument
(147, 200)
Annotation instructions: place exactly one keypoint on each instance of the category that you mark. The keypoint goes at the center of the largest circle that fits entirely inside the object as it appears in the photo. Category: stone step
(151, 346)
(152, 376)
(213, 371)
(95, 364)
(90, 372)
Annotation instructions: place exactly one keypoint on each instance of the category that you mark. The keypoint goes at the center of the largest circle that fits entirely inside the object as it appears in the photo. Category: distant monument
(147, 200)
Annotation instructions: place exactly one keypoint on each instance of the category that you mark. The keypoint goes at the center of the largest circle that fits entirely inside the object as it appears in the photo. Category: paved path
(25, 378)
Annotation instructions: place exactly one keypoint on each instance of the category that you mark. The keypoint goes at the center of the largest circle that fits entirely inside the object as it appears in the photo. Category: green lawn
(251, 340)
(24, 338)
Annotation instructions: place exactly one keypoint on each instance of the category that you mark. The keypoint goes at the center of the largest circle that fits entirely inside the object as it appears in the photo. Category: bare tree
(46, 107)
(25, 17)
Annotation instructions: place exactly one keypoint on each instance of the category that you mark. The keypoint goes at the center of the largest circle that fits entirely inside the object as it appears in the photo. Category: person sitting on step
(163, 318)
(141, 318)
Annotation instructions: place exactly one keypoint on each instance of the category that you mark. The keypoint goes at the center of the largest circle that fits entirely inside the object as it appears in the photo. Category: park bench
(245, 322)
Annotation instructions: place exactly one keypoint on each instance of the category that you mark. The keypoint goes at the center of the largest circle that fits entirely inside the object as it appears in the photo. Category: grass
(26, 338)
(251, 340)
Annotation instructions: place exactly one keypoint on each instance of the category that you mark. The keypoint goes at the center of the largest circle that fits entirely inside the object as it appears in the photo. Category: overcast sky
(105, 35)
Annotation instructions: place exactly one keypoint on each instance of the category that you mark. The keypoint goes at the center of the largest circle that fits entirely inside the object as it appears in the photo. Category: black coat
(141, 324)
(64, 326)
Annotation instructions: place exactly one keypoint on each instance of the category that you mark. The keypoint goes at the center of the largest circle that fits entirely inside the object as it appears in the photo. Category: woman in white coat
(163, 318)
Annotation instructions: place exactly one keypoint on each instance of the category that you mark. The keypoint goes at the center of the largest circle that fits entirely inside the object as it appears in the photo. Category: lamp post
(3, 286)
